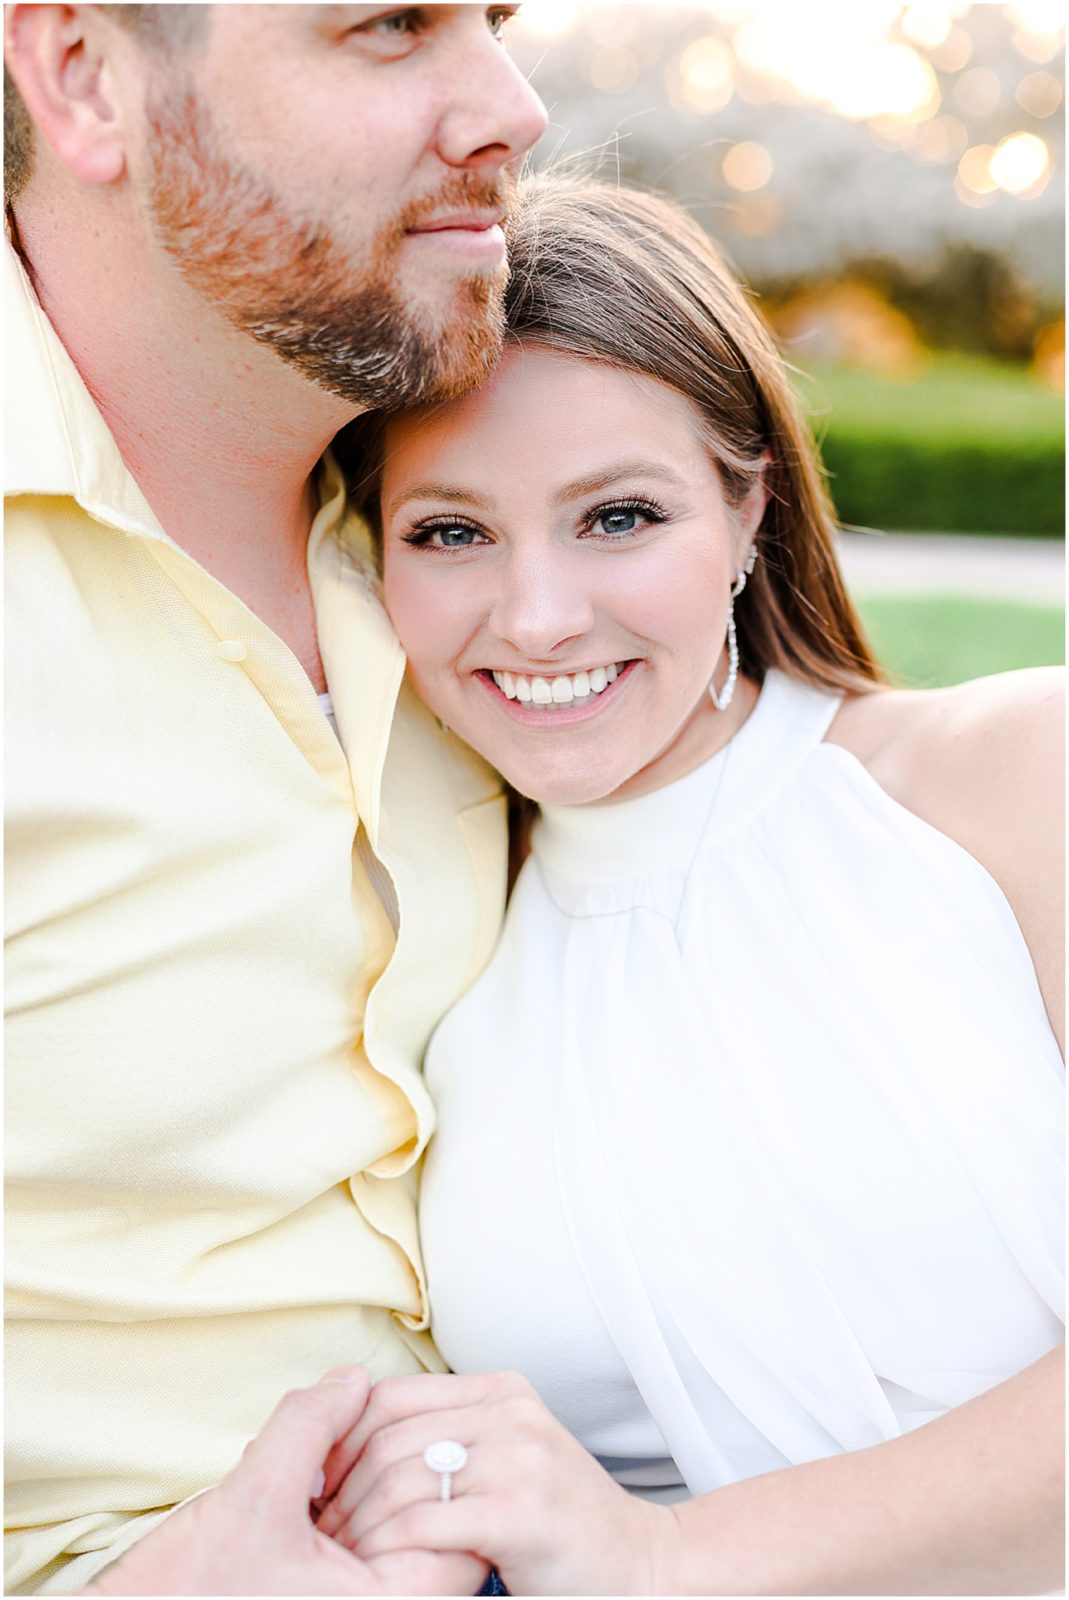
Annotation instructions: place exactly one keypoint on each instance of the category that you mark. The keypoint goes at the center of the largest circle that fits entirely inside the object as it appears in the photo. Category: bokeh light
(1040, 16)
(550, 19)
(945, 84)
(747, 166)
(954, 53)
(866, 75)
(707, 74)
(1039, 45)
(926, 25)
(1020, 164)
(613, 70)
(1040, 94)
(977, 92)
(974, 169)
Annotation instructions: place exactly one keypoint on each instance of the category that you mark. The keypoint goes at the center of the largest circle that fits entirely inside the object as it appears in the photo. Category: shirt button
(231, 650)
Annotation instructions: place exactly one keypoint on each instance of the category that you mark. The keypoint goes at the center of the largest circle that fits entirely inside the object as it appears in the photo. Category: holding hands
(526, 1497)
(252, 1533)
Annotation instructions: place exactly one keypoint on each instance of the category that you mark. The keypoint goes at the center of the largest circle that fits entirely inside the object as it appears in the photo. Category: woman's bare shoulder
(984, 763)
(932, 747)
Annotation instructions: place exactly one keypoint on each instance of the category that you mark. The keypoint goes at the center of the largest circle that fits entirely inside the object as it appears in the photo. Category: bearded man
(231, 925)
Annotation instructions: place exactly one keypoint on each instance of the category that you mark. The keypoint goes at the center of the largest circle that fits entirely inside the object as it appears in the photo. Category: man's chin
(467, 326)
(443, 293)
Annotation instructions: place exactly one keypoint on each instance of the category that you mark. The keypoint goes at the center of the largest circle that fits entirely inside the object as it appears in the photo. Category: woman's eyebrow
(436, 491)
(590, 483)
(593, 482)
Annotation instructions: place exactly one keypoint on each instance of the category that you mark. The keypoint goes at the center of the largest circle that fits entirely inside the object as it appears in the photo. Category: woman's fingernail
(345, 1375)
(319, 1485)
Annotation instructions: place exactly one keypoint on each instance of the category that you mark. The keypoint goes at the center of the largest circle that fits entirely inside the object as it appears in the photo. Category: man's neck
(219, 434)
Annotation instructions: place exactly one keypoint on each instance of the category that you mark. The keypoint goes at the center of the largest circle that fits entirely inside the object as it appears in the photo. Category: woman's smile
(564, 700)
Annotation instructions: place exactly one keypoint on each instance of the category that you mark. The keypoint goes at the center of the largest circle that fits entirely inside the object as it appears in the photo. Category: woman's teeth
(564, 690)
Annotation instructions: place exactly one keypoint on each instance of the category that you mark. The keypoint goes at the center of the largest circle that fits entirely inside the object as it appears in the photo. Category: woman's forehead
(538, 398)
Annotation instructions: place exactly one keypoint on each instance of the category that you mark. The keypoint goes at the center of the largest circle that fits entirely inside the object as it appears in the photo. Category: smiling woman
(747, 1158)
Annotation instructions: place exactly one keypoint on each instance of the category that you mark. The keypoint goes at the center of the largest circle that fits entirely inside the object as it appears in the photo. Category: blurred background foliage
(964, 445)
(887, 179)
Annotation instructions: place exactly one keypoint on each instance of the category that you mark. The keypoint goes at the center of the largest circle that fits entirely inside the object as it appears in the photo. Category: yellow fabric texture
(214, 1107)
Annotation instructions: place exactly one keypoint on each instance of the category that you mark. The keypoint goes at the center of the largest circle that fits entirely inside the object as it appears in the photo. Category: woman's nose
(540, 609)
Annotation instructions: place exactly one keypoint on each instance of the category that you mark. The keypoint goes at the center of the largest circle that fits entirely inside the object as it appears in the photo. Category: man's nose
(494, 115)
(538, 611)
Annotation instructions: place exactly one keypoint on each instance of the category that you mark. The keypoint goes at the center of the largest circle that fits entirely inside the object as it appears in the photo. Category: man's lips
(475, 239)
(461, 221)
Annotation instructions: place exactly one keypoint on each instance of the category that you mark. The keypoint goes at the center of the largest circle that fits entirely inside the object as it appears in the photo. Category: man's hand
(253, 1533)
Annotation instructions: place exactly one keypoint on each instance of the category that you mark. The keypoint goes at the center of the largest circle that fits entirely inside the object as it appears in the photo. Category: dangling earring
(722, 700)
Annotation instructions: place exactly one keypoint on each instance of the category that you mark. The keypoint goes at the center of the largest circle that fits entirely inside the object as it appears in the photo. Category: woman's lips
(556, 715)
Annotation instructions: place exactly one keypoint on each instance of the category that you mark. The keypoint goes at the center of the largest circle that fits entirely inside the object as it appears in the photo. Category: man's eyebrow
(592, 483)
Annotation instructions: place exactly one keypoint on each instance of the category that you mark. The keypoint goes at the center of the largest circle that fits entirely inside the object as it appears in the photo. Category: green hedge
(942, 487)
(967, 447)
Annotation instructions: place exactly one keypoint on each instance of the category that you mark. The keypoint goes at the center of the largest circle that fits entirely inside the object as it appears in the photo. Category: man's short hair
(159, 28)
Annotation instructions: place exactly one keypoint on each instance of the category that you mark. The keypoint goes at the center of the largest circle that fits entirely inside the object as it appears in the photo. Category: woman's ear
(58, 57)
(749, 512)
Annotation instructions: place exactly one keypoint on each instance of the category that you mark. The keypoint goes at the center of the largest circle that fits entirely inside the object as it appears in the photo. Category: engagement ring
(445, 1457)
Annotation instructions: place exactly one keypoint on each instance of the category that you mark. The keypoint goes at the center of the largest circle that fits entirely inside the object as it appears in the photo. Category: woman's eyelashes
(623, 519)
(610, 522)
(445, 533)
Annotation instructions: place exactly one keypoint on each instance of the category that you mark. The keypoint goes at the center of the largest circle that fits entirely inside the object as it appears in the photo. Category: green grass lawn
(927, 641)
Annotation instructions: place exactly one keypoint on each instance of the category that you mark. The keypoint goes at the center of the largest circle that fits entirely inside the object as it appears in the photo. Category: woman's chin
(559, 789)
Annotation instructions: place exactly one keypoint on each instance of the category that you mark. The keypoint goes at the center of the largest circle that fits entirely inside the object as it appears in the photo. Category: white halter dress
(750, 1139)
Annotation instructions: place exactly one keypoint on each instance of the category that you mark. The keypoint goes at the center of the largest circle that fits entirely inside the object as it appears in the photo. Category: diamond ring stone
(445, 1456)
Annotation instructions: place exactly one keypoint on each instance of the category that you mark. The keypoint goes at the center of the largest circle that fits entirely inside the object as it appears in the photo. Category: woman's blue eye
(454, 537)
(624, 519)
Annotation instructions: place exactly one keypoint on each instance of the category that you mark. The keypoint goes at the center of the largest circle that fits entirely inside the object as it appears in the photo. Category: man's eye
(394, 26)
(497, 17)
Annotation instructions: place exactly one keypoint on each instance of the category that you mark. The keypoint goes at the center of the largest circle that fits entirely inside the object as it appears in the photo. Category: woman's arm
(971, 1503)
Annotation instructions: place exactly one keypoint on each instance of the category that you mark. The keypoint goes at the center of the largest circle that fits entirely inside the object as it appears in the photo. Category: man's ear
(58, 58)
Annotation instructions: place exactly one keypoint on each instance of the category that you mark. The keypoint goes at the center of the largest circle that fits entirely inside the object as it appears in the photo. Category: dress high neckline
(626, 839)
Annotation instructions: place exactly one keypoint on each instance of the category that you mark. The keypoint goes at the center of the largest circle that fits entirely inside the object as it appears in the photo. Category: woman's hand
(530, 1498)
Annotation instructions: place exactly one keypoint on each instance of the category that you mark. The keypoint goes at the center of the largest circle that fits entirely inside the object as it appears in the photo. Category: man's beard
(342, 323)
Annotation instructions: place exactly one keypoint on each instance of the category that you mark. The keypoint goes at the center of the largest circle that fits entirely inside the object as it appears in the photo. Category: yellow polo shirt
(213, 1099)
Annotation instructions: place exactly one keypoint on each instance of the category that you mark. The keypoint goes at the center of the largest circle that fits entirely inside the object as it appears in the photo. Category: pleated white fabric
(803, 1103)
